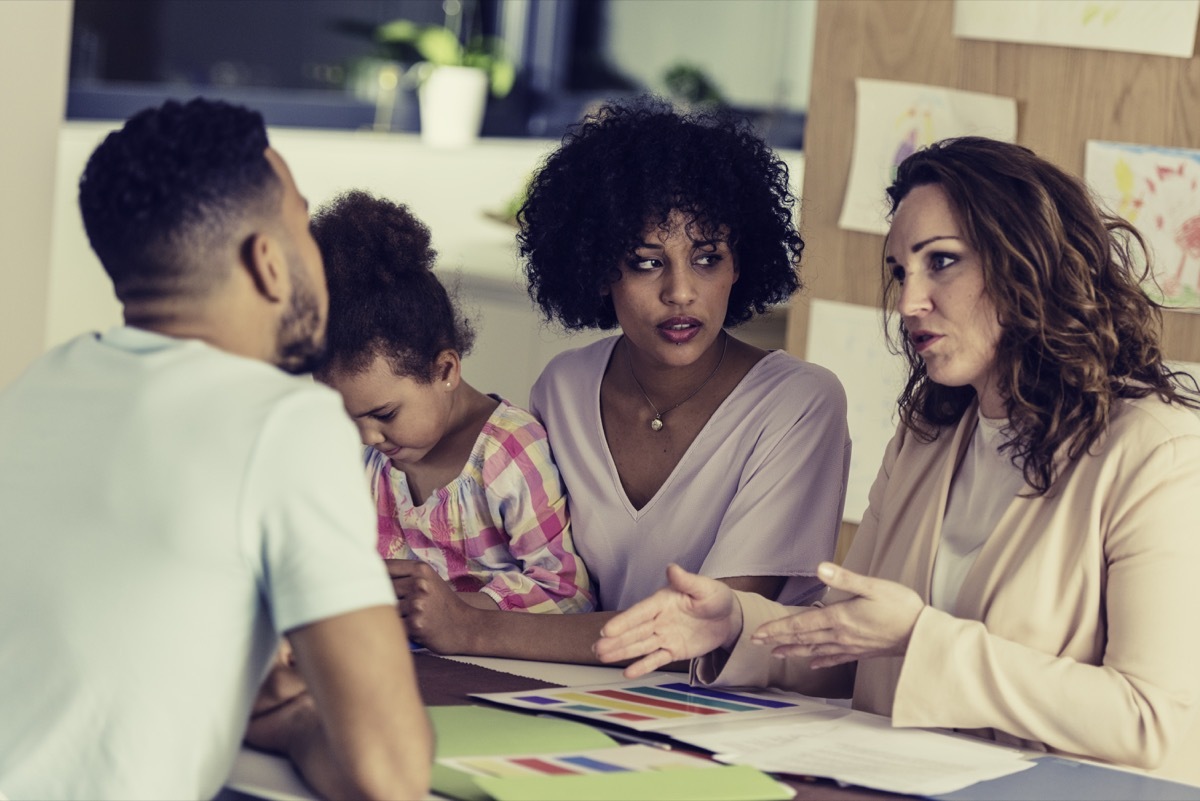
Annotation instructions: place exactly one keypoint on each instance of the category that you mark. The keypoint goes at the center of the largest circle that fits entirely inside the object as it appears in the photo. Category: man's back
(165, 508)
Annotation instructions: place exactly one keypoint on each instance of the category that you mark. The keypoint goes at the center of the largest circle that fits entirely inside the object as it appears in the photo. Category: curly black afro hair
(159, 195)
(628, 166)
(383, 296)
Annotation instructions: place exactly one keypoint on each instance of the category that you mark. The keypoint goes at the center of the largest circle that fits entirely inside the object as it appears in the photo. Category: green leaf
(399, 30)
(440, 46)
(504, 74)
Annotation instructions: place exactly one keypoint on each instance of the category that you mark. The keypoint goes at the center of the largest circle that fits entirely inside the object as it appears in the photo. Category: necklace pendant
(656, 424)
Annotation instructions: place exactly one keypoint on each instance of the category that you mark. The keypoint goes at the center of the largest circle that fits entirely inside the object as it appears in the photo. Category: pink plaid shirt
(500, 528)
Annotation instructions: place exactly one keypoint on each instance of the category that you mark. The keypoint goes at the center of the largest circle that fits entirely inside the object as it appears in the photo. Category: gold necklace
(657, 423)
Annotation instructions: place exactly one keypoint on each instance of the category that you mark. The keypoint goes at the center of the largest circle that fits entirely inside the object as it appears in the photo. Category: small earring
(447, 385)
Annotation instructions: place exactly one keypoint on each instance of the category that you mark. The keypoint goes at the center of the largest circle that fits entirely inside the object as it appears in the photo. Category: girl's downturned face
(673, 292)
(399, 416)
(947, 314)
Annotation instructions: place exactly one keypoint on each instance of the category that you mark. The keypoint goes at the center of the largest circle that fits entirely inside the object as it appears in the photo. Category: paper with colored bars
(546, 748)
(622, 759)
(655, 706)
(631, 771)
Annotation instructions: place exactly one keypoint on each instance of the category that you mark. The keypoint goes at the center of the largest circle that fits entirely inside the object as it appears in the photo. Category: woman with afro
(678, 443)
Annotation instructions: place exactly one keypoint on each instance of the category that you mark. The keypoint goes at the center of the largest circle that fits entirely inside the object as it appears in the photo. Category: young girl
(472, 513)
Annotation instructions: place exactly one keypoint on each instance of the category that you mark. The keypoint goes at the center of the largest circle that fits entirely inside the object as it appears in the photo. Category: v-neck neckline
(635, 512)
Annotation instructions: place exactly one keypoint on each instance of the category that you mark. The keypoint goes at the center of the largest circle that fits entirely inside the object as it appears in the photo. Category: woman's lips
(922, 340)
(679, 330)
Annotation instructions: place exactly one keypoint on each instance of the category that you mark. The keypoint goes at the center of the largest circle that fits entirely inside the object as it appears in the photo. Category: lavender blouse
(758, 493)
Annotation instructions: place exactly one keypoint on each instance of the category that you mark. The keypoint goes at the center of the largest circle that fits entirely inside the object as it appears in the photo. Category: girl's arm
(470, 631)
(443, 621)
(525, 496)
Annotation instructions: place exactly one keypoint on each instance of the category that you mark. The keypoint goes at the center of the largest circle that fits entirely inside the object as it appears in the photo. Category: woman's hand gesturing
(877, 621)
(689, 617)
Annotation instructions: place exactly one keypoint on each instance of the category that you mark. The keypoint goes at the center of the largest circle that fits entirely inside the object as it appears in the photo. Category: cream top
(983, 488)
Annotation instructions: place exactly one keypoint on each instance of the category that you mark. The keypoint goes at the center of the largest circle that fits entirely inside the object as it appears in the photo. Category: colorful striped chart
(623, 759)
(648, 707)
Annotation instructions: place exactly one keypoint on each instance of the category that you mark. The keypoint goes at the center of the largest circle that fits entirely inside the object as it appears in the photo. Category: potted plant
(453, 78)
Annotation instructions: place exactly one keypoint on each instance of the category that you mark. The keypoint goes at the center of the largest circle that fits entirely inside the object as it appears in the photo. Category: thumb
(839, 578)
(682, 581)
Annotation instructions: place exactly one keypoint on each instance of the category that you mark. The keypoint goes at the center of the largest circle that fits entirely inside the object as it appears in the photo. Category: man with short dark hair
(171, 502)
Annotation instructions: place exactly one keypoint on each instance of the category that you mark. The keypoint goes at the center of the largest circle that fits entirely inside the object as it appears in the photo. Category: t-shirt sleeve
(537, 396)
(308, 520)
(786, 513)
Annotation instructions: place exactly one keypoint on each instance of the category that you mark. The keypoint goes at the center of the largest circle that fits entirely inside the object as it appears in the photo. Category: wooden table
(445, 682)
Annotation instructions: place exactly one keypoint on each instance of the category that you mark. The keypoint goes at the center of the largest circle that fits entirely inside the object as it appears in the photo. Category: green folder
(482, 731)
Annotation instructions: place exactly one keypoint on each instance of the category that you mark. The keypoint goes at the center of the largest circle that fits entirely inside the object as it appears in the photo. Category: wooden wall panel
(1065, 96)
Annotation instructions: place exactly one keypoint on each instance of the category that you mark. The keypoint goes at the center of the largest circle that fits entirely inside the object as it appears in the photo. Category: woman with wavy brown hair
(1026, 569)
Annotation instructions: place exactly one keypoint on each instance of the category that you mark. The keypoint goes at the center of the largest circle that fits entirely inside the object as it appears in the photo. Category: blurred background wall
(34, 41)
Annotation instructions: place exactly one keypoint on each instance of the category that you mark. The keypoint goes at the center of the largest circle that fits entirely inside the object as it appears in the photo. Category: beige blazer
(1077, 630)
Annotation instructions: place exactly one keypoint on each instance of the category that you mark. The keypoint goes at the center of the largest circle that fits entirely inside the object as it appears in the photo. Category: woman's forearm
(542, 637)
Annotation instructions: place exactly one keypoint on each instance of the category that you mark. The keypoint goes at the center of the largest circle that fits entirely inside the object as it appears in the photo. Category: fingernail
(825, 571)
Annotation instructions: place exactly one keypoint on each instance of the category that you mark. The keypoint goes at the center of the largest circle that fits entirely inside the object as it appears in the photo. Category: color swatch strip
(594, 698)
(542, 766)
(672, 704)
(769, 703)
(594, 764)
(702, 705)
(621, 759)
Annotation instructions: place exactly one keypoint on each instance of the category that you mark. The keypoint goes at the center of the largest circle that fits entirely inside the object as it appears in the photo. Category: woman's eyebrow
(925, 242)
(916, 248)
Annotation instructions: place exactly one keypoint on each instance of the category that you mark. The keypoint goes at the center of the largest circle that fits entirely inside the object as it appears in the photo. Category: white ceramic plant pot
(452, 100)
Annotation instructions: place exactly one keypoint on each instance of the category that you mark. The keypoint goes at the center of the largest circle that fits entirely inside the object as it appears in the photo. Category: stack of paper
(490, 753)
(780, 732)
(630, 771)
(487, 753)
(862, 749)
(656, 705)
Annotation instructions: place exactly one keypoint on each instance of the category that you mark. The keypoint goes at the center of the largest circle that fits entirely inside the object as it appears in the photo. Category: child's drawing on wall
(914, 129)
(893, 120)
(1158, 191)
(1157, 27)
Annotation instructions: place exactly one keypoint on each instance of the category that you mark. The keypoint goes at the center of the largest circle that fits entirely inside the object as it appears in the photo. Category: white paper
(636, 758)
(1157, 27)
(267, 776)
(1187, 367)
(562, 674)
(641, 706)
(1157, 189)
(848, 339)
(862, 749)
(1193, 369)
(895, 119)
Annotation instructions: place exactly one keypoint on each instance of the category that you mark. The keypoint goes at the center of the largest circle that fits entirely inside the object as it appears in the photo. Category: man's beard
(301, 342)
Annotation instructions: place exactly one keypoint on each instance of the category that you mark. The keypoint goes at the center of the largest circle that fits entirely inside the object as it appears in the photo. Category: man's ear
(447, 369)
(262, 257)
